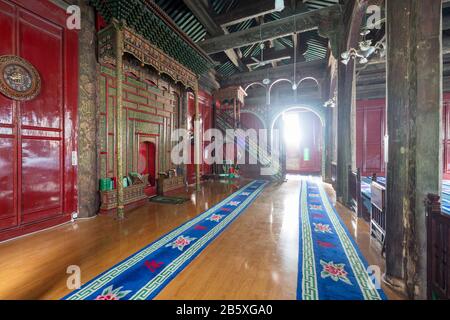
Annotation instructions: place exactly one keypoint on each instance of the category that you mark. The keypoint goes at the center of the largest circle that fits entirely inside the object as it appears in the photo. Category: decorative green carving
(145, 19)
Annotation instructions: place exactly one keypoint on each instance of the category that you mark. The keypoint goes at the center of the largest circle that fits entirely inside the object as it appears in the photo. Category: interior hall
(224, 150)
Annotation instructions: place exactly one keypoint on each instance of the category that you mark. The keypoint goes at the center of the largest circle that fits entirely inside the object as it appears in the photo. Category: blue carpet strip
(143, 275)
(331, 266)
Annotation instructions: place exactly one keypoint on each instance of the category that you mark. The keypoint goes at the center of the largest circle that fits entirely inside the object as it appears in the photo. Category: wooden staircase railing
(225, 121)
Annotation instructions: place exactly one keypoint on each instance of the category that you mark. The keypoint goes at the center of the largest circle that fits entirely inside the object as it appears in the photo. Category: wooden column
(119, 120)
(414, 103)
(346, 97)
(239, 113)
(235, 112)
(345, 145)
(328, 143)
(197, 141)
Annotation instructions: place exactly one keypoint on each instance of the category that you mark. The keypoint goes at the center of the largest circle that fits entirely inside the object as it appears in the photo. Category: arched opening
(284, 86)
(254, 84)
(301, 134)
(308, 87)
(147, 164)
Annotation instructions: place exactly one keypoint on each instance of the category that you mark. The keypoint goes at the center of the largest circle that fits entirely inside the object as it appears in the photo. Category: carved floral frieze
(146, 54)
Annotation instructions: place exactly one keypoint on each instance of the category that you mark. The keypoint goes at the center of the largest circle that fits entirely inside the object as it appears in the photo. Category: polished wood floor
(254, 258)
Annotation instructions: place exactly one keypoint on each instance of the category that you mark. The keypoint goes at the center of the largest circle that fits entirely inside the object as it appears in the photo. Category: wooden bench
(134, 196)
(167, 184)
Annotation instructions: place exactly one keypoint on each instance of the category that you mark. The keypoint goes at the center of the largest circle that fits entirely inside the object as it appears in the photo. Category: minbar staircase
(226, 122)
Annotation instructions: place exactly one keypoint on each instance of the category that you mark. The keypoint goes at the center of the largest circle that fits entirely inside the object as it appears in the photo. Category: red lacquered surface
(370, 131)
(251, 121)
(147, 161)
(37, 179)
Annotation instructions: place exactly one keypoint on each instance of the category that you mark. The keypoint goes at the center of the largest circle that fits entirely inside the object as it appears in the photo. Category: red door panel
(41, 180)
(7, 28)
(370, 131)
(152, 163)
(45, 110)
(8, 211)
(37, 137)
(8, 182)
(373, 152)
(7, 45)
(42, 170)
(143, 158)
(147, 161)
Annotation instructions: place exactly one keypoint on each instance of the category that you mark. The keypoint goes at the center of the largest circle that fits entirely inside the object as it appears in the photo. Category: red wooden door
(143, 163)
(304, 144)
(37, 137)
(147, 161)
(370, 132)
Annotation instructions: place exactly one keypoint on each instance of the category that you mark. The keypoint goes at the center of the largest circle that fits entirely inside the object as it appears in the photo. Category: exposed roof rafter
(203, 15)
(271, 30)
(247, 11)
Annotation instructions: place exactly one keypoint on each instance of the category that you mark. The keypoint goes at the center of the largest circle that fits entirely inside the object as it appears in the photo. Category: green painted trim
(140, 17)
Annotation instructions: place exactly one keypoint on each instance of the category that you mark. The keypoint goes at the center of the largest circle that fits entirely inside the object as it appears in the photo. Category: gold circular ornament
(19, 79)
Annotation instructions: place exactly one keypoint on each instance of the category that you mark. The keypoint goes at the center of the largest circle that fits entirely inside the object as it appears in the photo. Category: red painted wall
(250, 121)
(37, 137)
(370, 132)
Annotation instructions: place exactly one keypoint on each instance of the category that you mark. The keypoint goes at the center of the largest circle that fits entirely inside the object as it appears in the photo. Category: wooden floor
(254, 258)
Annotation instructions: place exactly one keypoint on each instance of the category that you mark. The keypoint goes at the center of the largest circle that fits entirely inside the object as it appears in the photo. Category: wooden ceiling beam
(270, 44)
(202, 13)
(248, 10)
(271, 30)
(272, 55)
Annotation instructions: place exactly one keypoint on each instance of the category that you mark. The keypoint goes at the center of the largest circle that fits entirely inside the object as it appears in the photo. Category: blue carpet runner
(143, 275)
(331, 266)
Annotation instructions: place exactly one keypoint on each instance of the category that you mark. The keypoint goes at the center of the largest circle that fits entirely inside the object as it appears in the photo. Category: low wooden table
(166, 184)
